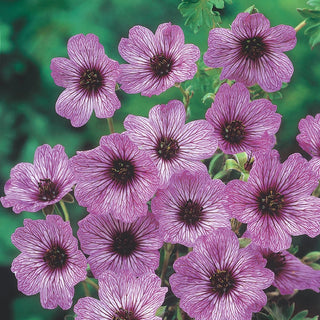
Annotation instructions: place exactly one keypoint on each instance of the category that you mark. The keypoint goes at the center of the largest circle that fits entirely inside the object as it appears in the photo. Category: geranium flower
(50, 262)
(32, 187)
(309, 140)
(172, 144)
(276, 201)
(118, 246)
(156, 61)
(252, 52)
(123, 296)
(289, 272)
(115, 177)
(218, 281)
(191, 206)
(89, 77)
(240, 125)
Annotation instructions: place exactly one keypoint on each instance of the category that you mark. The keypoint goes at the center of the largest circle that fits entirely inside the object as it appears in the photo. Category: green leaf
(252, 9)
(315, 266)
(313, 32)
(314, 3)
(216, 164)
(309, 13)
(301, 315)
(199, 13)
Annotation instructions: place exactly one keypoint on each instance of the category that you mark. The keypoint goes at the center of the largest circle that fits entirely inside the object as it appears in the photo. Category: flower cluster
(151, 190)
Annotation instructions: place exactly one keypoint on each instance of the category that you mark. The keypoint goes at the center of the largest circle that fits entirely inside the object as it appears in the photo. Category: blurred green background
(35, 31)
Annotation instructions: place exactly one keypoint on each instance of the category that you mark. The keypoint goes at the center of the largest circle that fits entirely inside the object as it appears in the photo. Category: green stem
(168, 248)
(300, 25)
(65, 211)
(92, 283)
(186, 95)
(86, 289)
(110, 124)
(57, 210)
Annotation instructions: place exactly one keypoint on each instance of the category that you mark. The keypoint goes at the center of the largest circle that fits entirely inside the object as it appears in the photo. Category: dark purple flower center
(233, 131)
(124, 243)
(160, 65)
(47, 190)
(123, 314)
(91, 80)
(275, 262)
(167, 148)
(190, 212)
(253, 48)
(270, 203)
(55, 257)
(222, 282)
(122, 171)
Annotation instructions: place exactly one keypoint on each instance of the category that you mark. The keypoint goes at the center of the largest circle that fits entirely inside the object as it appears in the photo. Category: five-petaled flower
(32, 187)
(89, 77)
(156, 61)
(119, 246)
(276, 201)
(252, 52)
(219, 281)
(172, 144)
(123, 296)
(50, 262)
(241, 125)
(115, 177)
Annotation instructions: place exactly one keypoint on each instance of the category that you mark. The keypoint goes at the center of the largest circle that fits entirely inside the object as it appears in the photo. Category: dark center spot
(270, 203)
(190, 212)
(222, 282)
(55, 257)
(253, 48)
(91, 80)
(47, 190)
(122, 171)
(123, 314)
(124, 243)
(275, 262)
(233, 132)
(160, 65)
(167, 148)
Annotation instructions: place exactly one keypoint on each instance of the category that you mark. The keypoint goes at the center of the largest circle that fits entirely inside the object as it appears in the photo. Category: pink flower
(309, 140)
(123, 296)
(276, 201)
(218, 281)
(89, 77)
(191, 206)
(118, 246)
(252, 52)
(115, 177)
(289, 272)
(172, 144)
(156, 61)
(32, 187)
(50, 262)
(240, 125)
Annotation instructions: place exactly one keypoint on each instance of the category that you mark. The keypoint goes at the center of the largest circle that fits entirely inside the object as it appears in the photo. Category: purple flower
(123, 296)
(309, 140)
(89, 77)
(118, 246)
(252, 52)
(191, 206)
(32, 187)
(115, 177)
(240, 125)
(276, 201)
(172, 144)
(156, 61)
(217, 280)
(289, 272)
(50, 262)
